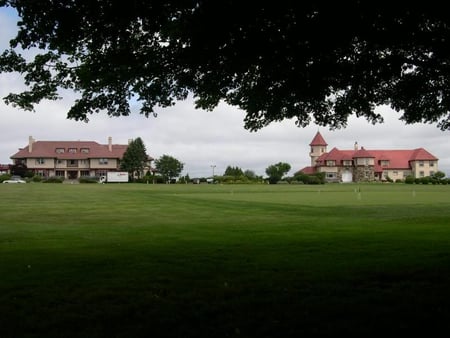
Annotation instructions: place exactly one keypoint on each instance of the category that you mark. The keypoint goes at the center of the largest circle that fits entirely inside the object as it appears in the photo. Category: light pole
(213, 166)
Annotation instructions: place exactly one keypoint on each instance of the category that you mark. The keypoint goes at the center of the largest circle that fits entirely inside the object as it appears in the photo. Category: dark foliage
(311, 61)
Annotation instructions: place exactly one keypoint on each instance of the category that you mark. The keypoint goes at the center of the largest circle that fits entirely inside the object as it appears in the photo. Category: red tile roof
(318, 140)
(422, 154)
(47, 149)
(397, 159)
(307, 170)
(362, 153)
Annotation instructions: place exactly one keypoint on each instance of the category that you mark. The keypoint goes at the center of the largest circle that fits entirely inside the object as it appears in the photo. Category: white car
(15, 180)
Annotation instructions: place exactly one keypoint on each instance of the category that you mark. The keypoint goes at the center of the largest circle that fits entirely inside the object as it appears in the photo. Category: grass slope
(222, 261)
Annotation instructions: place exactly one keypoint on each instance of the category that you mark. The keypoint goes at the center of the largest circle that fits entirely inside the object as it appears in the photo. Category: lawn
(132, 260)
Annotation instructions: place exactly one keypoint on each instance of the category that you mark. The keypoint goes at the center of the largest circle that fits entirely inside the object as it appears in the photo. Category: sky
(205, 141)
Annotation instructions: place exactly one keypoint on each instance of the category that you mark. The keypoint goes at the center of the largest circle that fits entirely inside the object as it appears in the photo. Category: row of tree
(137, 163)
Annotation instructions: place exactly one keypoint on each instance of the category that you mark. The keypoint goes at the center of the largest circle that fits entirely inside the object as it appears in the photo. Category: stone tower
(318, 147)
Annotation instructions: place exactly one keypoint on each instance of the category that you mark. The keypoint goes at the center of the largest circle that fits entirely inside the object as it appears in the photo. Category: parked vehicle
(15, 179)
(114, 177)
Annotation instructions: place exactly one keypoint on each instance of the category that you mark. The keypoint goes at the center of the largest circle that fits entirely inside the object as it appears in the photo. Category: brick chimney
(30, 143)
(110, 143)
(356, 145)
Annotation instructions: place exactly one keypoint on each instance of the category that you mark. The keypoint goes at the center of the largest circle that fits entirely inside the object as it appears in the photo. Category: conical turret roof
(318, 140)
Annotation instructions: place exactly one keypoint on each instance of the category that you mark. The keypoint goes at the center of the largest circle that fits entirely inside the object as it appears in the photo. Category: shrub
(4, 177)
(425, 180)
(36, 178)
(88, 179)
(313, 180)
(53, 179)
(410, 179)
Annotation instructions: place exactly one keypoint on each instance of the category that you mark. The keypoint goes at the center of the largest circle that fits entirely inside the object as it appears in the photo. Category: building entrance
(72, 175)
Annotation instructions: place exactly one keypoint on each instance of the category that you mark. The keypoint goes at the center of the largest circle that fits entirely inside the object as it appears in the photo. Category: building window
(60, 150)
(347, 162)
(431, 164)
(85, 150)
(60, 161)
(395, 173)
(421, 174)
(72, 163)
(384, 163)
(59, 173)
(84, 173)
(103, 161)
(40, 161)
(73, 150)
(420, 163)
(83, 162)
(100, 173)
(331, 175)
(331, 163)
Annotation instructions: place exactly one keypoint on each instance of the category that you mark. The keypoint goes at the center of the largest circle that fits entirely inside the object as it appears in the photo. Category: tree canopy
(277, 171)
(313, 61)
(233, 171)
(135, 158)
(169, 167)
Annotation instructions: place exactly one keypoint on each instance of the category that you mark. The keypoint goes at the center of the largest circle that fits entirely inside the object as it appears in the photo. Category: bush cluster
(317, 178)
(438, 178)
(53, 179)
(4, 177)
(88, 179)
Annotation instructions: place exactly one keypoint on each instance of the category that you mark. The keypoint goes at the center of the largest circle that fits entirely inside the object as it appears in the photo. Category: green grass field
(223, 261)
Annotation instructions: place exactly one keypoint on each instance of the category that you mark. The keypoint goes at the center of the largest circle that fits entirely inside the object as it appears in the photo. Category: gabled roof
(422, 154)
(362, 153)
(307, 170)
(318, 140)
(48, 149)
(396, 159)
(333, 155)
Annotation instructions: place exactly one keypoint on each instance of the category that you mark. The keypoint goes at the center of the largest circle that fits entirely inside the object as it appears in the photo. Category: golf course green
(142, 260)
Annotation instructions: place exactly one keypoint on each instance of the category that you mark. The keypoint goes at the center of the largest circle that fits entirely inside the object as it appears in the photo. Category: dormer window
(73, 150)
(85, 150)
(60, 150)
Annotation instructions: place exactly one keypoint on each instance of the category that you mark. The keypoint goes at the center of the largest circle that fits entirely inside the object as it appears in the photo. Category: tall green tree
(250, 174)
(135, 158)
(320, 61)
(277, 171)
(233, 171)
(169, 167)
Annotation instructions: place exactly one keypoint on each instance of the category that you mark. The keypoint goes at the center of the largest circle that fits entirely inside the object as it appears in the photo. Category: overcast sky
(202, 139)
